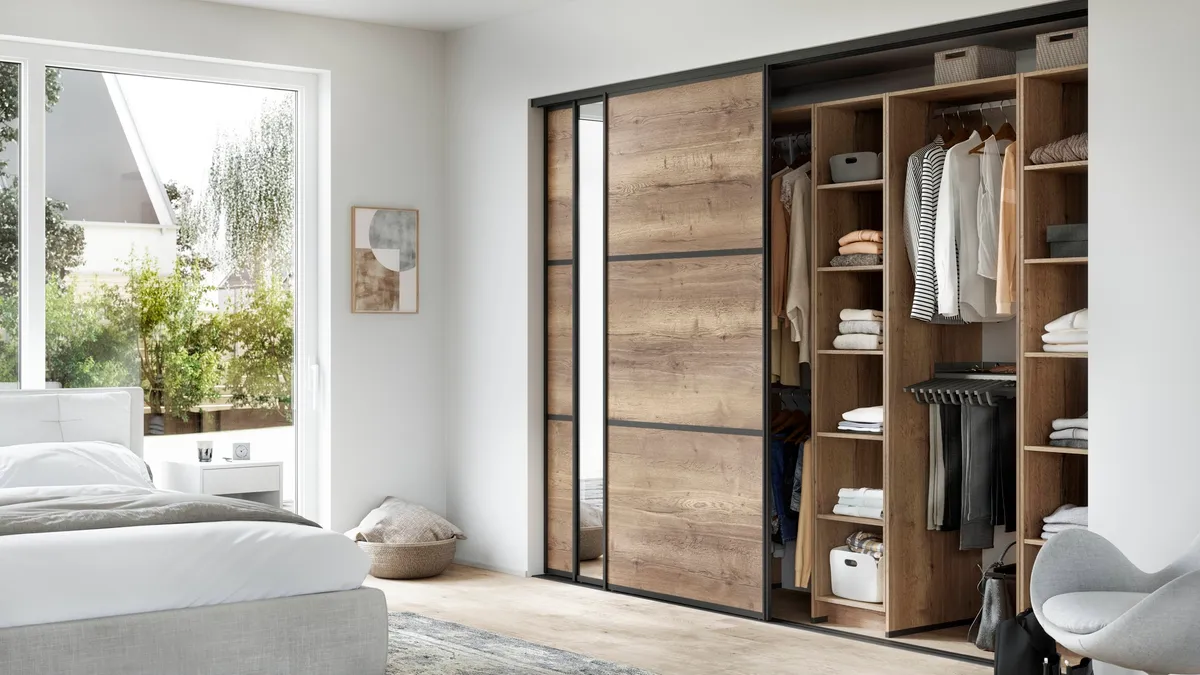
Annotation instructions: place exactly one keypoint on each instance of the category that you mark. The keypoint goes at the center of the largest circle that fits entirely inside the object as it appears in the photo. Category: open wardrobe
(816, 328)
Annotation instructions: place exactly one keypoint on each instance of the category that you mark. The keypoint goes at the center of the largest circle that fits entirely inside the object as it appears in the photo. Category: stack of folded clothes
(1067, 333)
(1065, 517)
(1070, 432)
(859, 503)
(870, 543)
(868, 420)
(860, 247)
(860, 329)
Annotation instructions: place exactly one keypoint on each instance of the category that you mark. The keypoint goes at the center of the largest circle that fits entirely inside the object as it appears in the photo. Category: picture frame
(385, 260)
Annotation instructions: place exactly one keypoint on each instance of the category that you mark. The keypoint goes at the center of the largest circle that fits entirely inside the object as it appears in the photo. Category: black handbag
(998, 588)
(1022, 647)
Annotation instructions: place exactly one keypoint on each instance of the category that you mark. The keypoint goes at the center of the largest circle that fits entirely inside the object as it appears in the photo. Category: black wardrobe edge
(821, 626)
(988, 23)
(675, 255)
(662, 426)
(546, 338)
(604, 342)
(576, 564)
(765, 502)
(687, 602)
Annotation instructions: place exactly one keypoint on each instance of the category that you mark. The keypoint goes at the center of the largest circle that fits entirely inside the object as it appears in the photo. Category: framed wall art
(385, 260)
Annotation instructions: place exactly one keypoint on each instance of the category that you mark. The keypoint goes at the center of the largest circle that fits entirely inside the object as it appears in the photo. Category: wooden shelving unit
(856, 186)
(865, 606)
(871, 522)
(850, 352)
(1053, 105)
(850, 436)
(853, 268)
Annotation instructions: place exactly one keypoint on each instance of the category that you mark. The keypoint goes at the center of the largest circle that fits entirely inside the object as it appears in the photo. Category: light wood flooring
(655, 636)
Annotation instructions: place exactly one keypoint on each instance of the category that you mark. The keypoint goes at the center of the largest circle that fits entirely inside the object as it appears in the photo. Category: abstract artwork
(385, 260)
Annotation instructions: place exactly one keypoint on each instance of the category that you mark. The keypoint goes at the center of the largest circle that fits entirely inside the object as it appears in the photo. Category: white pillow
(81, 463)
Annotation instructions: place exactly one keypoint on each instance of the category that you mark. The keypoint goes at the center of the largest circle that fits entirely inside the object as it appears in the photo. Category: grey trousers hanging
(978, 477)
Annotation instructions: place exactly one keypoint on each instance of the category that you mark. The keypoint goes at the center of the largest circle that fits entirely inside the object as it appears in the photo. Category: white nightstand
(256, 481)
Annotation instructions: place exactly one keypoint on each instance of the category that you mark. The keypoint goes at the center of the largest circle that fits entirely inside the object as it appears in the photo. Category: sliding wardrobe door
(560, 352)
(685, 343)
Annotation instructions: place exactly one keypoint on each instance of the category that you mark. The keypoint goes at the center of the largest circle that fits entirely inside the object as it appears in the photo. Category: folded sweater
(860, 426)
(871, 247)
(861, 328)
(869, 414)
(1068, 514)
(861, 235)
(859, 342)
(1071, 433)
(1069, 443)
(1071, 336)
(856, 501)
(1077, 319)
(1078, 347)
(861, 315)
(1070, 423)
(856, 260)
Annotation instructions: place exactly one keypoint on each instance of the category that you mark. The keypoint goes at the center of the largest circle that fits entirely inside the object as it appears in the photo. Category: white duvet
(65, 576)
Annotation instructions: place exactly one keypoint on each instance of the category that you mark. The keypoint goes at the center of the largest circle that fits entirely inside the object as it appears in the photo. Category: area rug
(418, 645)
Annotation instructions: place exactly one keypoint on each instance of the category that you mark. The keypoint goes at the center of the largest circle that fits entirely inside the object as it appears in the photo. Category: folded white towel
(1065, 348)
(858, 511)
(1068, 514)
(1076, 319)
(1069, 423)
(861, 315)
(1073, 433)
(870, 414)
(1066, 337)
(858, 341)
(860, 427)
(862, 493)
(1055, 528)
(860, 327)
(869, 502)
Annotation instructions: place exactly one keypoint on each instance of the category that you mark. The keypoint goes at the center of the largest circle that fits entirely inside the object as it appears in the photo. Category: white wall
(1143, 278)
(493, 172)
(386, 107)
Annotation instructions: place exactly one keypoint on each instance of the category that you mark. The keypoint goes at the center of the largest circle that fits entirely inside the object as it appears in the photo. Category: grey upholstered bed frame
(340, 633)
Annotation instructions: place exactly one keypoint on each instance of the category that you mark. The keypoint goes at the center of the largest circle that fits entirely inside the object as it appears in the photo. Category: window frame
(310, 406)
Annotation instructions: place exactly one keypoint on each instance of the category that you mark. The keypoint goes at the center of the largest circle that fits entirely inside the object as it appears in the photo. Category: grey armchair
(1096, 603)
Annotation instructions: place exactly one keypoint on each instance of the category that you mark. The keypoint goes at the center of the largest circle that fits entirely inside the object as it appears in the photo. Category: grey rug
(418, 645)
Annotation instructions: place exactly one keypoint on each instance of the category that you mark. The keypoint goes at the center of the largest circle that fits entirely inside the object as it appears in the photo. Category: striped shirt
(922, 185)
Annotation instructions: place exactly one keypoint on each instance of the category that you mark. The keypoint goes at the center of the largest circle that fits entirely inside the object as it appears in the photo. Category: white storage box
(855, 576)
(856, 166)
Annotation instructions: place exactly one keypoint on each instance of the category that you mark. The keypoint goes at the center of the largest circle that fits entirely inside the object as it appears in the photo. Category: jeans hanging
(783, 471)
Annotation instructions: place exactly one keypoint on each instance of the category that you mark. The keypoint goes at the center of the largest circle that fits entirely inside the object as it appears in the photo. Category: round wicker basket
(591, 543)
(409, 561)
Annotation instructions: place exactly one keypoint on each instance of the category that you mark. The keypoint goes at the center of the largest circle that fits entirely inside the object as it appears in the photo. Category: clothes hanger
(1007, 132)
(959, 136)
(986, 130)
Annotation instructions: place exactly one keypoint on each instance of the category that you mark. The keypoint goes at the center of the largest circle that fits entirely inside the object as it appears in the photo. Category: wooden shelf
(1004, 86)
(1036, 542)
(1060, 167)
(1082, 260)
(797, 114)
(1056, 355)
(852, 268)
(835, 600)
(850, 352)
(850, 436)
(856, 186)
(850, 519)
(1055, 450)
(1068, 75)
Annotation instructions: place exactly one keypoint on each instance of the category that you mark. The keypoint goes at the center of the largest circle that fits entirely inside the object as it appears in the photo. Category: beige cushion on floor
(398, 522)
(1088, 612)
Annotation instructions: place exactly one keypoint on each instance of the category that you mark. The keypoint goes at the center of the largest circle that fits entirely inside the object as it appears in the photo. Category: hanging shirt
(925, 290)
(990, 188)
(912, 202)
(798, 198)
(1006, 252)
(779, 248)
(957, 204)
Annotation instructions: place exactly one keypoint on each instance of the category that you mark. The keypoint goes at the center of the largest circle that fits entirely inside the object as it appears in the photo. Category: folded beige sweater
(861, 235)
(861, 247)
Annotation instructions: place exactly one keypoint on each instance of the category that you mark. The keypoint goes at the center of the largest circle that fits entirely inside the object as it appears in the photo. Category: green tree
(88, 342)
(252, 188)
(259, 330)
(178, 335)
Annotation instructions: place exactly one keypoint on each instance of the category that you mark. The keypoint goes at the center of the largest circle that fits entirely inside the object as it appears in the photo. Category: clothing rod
(976, 107)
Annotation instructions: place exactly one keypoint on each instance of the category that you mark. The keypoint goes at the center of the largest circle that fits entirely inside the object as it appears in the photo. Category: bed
(93, 590)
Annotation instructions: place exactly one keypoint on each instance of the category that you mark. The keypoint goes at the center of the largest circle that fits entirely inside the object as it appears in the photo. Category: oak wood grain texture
(685, 343)
(685, 167)
(938, 579)
(1050, 291)
(560, 503)
(560, 183)
(685, 515)
(958, 93)
(559, 345)
(839, 127)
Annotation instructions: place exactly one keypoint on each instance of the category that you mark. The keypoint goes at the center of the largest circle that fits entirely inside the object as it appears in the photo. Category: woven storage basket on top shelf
(1062, 49)
(972, 63)
(409, 561)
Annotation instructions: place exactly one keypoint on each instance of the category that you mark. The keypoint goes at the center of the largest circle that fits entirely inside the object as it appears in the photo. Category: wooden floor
(655, 636)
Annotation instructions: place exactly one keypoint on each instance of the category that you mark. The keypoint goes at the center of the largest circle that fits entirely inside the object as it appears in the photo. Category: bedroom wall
(383, 374)
(494, 218)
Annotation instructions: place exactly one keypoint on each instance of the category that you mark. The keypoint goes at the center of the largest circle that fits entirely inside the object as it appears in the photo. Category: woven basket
(591, 543)
(409, 561)
(1062, 49)
(972, 63)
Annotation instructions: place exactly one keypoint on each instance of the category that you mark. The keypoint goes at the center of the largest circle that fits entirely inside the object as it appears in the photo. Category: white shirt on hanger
(957, 203)
(991, 174)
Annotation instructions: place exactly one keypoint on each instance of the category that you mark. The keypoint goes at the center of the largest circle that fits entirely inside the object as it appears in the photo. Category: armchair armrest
(1157, 635)
(1080, 560)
